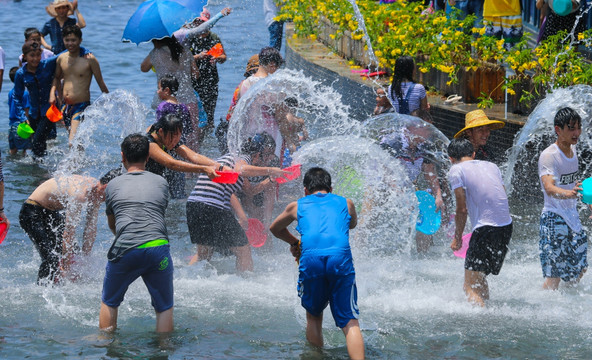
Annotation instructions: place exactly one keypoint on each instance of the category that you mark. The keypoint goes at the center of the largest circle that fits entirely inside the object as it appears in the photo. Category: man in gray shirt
(135, 205)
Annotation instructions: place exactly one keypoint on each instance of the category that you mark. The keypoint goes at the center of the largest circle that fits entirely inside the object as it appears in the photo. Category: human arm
(279, 227)
(166, 160)
(3, 218)
(56, 83)
(146, 64)
(431, 176)
(183, 33)
(460, 219)
(239, 211)
(79, 18)
(555, 191)
(351, 208)
(90, 228)
(96, 71)
(251, 170)
(111, 222)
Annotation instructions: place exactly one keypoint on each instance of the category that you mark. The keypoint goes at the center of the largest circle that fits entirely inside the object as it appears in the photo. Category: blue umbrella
(157, 19)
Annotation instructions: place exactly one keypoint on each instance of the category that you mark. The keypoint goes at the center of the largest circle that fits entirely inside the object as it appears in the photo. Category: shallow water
(411, 306)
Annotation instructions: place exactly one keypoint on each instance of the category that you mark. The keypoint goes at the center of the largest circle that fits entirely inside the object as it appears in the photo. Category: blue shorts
(153, 264)
(330, 280)
(74, 112)
(17, 142)
(563, 252)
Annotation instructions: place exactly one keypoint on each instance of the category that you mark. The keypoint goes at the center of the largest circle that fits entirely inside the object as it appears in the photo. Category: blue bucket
(429, 220)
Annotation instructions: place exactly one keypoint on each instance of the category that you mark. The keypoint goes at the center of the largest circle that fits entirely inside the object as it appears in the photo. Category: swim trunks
(153, 264)
(563, 252)
(488, 248)
(45, 228)
(212, 226)
(74, 112)
(322, 281)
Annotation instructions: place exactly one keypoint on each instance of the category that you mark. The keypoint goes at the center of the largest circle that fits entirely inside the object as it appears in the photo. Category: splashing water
(362, 26)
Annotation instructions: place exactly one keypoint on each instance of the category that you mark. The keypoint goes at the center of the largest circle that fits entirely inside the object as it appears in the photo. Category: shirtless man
(77, 72)
(50, 217)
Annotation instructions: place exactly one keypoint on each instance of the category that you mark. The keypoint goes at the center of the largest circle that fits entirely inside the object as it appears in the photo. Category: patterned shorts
(508, 28)
(563, 252)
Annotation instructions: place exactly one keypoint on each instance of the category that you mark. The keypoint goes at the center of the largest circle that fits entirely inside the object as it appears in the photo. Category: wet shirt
(215, 194)
(138, 200)
(413, 159)
(38, 84)
(323, 223)
(153, 166)
(486, 197)
(417, 94)
(52, 27)
(208, 72)
(17, 113)
(565, 172)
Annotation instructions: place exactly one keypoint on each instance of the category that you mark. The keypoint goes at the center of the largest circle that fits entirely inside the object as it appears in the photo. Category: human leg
(354, 340)
(164, 321)
(476, 287)
(551, 283)
(423, 242)
(107, 318)
(276, 30)
(314, 329)
(39, 142)
(244, 260)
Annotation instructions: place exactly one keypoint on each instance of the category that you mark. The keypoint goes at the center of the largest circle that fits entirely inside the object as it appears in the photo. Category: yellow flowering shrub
(442, 43)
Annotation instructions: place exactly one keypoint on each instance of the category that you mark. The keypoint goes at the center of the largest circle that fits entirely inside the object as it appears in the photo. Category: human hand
(52, 98)
(226, 11)
(210, 171)
(74, 5)
(456, 244)
(296, 250)
(4, 219)
(276, 172)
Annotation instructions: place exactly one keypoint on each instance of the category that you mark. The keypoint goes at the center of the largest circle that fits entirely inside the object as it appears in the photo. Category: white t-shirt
(247, 83)
(565, 172)
(486, 197)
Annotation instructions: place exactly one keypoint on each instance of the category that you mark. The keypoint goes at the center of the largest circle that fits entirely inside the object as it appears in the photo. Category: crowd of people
(217, 213)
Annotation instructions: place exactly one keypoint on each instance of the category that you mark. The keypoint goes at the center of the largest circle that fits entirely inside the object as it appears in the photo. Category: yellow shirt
(501, 8)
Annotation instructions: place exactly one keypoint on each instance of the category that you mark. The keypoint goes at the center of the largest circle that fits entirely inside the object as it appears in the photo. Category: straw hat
(57, 3)
(478, 118)
(252, 65)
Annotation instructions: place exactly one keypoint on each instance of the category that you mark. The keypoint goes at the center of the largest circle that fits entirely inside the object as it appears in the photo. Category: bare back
(55, 192)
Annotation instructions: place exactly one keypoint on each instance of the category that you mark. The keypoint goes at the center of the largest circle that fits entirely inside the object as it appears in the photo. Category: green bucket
(24, 130)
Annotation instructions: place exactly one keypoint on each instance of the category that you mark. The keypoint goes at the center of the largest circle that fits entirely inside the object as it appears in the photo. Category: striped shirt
(418, 93)
(218, 195)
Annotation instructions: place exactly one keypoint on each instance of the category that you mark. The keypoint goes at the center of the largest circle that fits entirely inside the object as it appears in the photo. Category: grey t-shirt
(139, 201)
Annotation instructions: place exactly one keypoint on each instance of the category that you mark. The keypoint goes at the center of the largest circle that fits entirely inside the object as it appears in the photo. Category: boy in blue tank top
(326, 269)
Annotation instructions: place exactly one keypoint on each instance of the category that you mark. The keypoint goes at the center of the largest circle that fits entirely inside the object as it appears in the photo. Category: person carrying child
(17, 115)
(479, 191)
(326, 269)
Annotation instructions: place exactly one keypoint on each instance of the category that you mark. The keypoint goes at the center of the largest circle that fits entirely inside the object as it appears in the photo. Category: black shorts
(212, 226)
(488, 248)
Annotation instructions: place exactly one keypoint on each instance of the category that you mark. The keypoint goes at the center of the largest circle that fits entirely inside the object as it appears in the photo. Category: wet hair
(110, 175)
(258, 143)
(270, 55)
(567, 116)
(72, 30)
(459, 148)
(404, 67)
(317, 179)
(12, 72)
(174, 46)
(291, 102)
(30, 46)
(170, 82)
(169, 123)
(31, 31)
(135, 148)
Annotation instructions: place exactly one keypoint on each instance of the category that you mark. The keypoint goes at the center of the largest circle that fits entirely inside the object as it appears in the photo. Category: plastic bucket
(256, 233)
(429, 220)
(462, 252)
(587, 191)
(3, 231)
(53, 113)
(24, 130)
(294, 173)
(226, 177)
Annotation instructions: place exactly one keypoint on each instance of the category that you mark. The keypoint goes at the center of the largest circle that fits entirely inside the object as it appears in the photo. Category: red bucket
(226, 177)
(256, 233)
(294, 173)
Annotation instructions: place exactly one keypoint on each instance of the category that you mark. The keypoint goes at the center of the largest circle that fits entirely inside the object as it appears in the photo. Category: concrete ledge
(322, 64)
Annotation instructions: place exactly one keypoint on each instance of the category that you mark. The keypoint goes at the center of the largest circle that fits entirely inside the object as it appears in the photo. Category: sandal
(453, 99)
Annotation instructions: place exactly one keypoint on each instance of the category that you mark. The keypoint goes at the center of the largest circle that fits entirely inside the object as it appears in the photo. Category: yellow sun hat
(477, 118)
